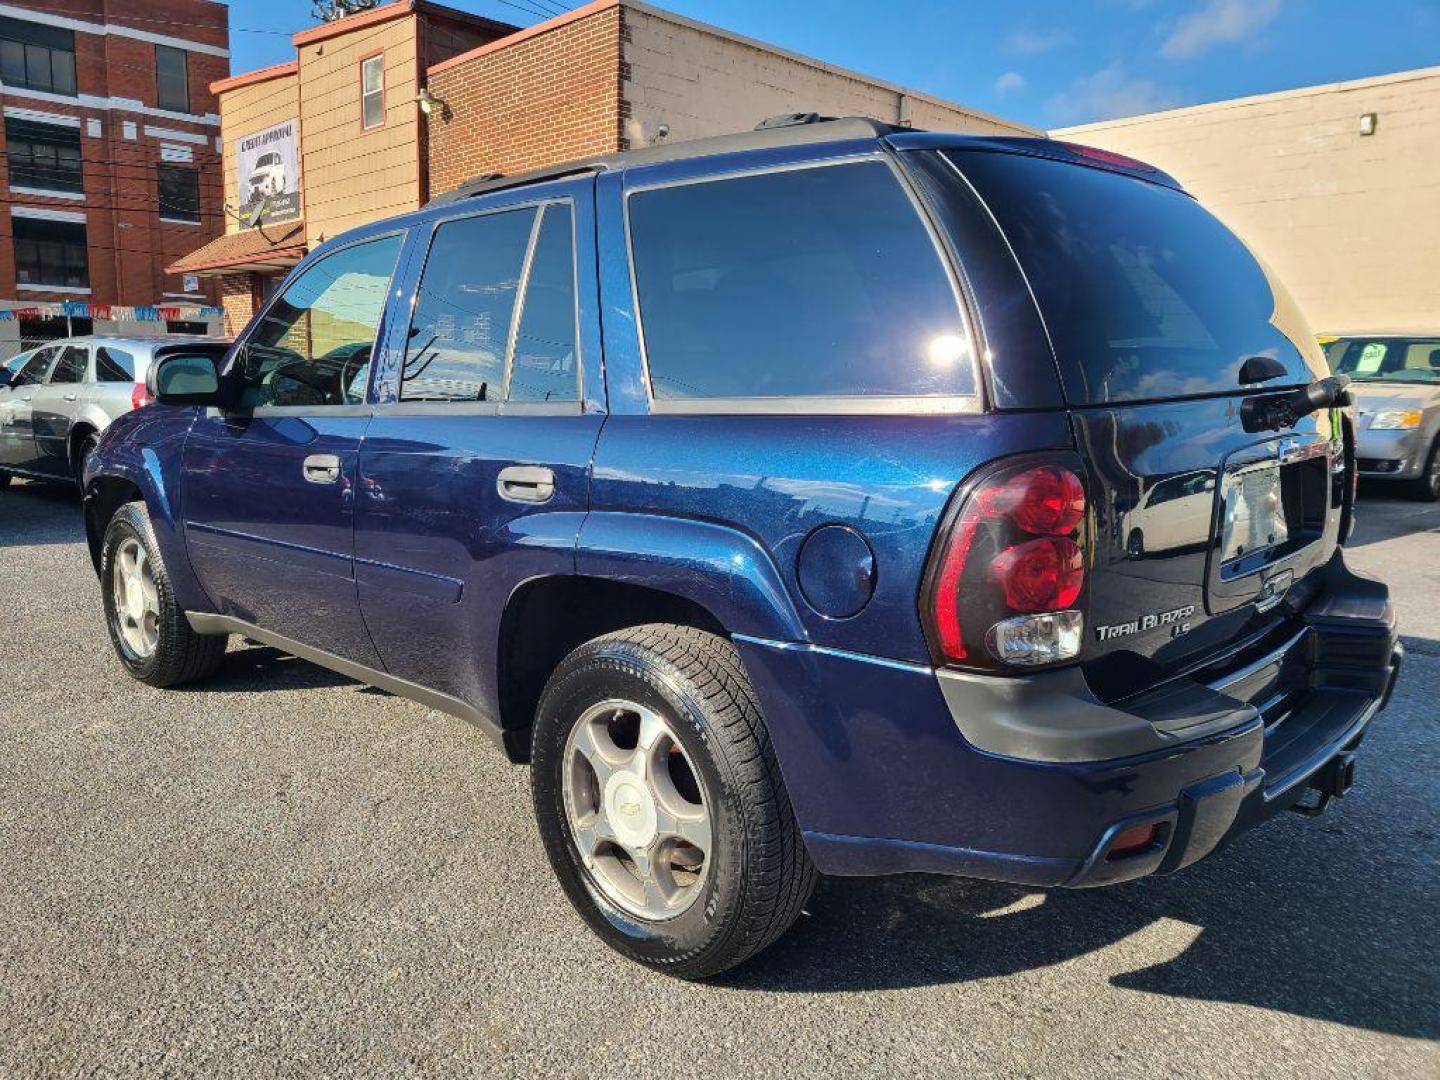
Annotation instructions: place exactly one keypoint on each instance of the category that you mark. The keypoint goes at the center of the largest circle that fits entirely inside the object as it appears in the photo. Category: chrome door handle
(322, 468)
(69, 397)
(526, 483)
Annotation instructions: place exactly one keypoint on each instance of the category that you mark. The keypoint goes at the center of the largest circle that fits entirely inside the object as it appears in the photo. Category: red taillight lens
(1040, 575)
(140, 396)
(1014, 550)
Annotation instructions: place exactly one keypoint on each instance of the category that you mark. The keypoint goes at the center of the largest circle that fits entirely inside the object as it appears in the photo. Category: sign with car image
(267, 174)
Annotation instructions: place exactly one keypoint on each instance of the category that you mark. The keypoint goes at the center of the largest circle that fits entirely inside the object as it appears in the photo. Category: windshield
(1409, 360)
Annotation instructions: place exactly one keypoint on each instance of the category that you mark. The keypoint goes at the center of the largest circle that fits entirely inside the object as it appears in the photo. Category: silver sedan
(56, 400)
(1395, 381)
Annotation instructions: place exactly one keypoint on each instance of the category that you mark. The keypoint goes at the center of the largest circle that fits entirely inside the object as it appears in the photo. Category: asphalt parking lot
(282, 872)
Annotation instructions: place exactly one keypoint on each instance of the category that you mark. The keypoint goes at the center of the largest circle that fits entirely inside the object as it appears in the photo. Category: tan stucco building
(1349, 220)
(341, 123)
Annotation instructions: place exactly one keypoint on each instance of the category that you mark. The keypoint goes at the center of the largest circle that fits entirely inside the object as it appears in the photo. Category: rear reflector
(1134, 839)
(140, 396)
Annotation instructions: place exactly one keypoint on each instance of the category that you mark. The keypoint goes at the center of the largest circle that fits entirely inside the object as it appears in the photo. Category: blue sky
(1047, 63)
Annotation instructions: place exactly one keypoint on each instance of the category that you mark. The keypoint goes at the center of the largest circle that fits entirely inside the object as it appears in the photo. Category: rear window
(1145, 294)
(113, 365)
(819, 282)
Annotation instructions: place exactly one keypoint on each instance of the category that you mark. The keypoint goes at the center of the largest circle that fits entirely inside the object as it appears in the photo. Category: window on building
(460, 332)
(43, 156)
(372, 92)
(186, 326)
(815, 282)
(179, 192)
(172, 79)
(37, 57)
(50, 253)
(114, 365)
(312, 345)
(33, 331)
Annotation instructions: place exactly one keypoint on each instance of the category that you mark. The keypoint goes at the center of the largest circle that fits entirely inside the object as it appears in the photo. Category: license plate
(1254, 511)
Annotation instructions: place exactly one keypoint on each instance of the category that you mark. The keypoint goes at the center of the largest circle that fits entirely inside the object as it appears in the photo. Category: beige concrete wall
(701, 80)
(246, 110)
(1350, 222)
(354, 176)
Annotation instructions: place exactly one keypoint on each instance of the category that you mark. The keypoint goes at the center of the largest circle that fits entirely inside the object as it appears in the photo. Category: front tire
(660, 801)
(82, 456)
(149, 631)
(1427, 487)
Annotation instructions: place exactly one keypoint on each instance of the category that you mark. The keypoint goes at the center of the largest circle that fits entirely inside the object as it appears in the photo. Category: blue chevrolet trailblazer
(828, 499)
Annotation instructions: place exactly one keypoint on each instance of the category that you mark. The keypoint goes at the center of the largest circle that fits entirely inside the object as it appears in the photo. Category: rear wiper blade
(1276, 412)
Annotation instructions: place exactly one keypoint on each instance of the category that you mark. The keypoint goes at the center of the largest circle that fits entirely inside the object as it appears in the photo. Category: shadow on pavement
(1291, 921)
(34, 514)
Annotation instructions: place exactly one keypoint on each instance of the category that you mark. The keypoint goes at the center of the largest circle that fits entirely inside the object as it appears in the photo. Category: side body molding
(721, 569)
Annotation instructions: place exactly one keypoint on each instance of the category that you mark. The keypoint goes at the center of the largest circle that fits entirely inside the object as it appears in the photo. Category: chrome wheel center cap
(631, 810)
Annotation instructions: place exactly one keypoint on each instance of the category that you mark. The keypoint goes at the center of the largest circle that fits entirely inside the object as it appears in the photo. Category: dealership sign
(267, 174)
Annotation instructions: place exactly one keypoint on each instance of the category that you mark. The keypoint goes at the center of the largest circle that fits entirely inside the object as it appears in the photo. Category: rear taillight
(1005, 586)
(140, 396)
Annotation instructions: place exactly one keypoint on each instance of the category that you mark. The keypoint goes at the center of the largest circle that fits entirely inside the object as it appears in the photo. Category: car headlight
(1395, 420)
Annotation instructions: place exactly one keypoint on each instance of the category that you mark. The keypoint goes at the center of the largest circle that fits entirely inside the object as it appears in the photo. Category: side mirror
(184, 379)
(6, 377)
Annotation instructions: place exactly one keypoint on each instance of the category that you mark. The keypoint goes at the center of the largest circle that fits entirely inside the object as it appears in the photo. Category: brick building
(110, 158)
(343, 125)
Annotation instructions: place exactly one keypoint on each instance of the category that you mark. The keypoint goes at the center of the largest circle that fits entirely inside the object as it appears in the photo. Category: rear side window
(71, 368)
(113, 365)
(820, 282)
(495, 314)
(1145, 294)
(1387, 360)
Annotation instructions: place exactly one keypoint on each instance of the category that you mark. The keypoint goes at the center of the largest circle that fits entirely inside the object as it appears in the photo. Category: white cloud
(1012, 82)
(1106, 94)
(1034, 41)
(1219, 22)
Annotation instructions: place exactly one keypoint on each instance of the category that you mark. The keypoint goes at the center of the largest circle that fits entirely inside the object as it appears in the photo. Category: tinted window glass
(805, 282)
(460, 332)
(545, 365)
(179, 192)
(50, 252)
(312, 345)
(1144, 292)
(71, 368)
(113, 365)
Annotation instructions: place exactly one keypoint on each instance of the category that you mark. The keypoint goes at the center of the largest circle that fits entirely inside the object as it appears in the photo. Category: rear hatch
(1203, 532)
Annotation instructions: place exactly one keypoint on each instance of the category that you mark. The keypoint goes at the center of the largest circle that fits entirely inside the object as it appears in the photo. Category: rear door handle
(526, 483)
(322, 468)
(69, 397)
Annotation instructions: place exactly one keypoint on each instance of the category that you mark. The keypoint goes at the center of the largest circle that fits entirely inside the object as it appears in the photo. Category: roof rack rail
(793, 119)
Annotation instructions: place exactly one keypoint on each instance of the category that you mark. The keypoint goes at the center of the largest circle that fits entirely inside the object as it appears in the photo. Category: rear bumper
(883, 780)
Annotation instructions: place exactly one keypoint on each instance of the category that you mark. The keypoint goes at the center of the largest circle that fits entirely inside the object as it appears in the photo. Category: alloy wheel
(136, 599)
(637, 810)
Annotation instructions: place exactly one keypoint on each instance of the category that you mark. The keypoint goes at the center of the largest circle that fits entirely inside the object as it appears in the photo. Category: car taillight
(1005, 585)
(140, 396)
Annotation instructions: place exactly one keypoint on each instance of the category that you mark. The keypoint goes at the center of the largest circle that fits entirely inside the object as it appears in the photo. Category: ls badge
(1175, 619)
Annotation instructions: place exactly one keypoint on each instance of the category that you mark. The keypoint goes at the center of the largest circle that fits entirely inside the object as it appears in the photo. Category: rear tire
(82, 455)
(149, 631)
(1427, 487)
(753, 876)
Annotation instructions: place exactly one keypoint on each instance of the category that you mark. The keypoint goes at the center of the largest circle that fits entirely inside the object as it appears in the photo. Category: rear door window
(113, 365)
(71, 367)
(805, 283)
(1145, 294)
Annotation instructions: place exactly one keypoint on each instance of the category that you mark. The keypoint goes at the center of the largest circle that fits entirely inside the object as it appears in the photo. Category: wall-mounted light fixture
(428, 102)
(1367, 123)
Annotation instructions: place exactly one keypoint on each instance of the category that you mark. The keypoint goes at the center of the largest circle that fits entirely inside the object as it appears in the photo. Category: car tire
(1427, 487)
(149, 632)
(747, 886)
(82, 455)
